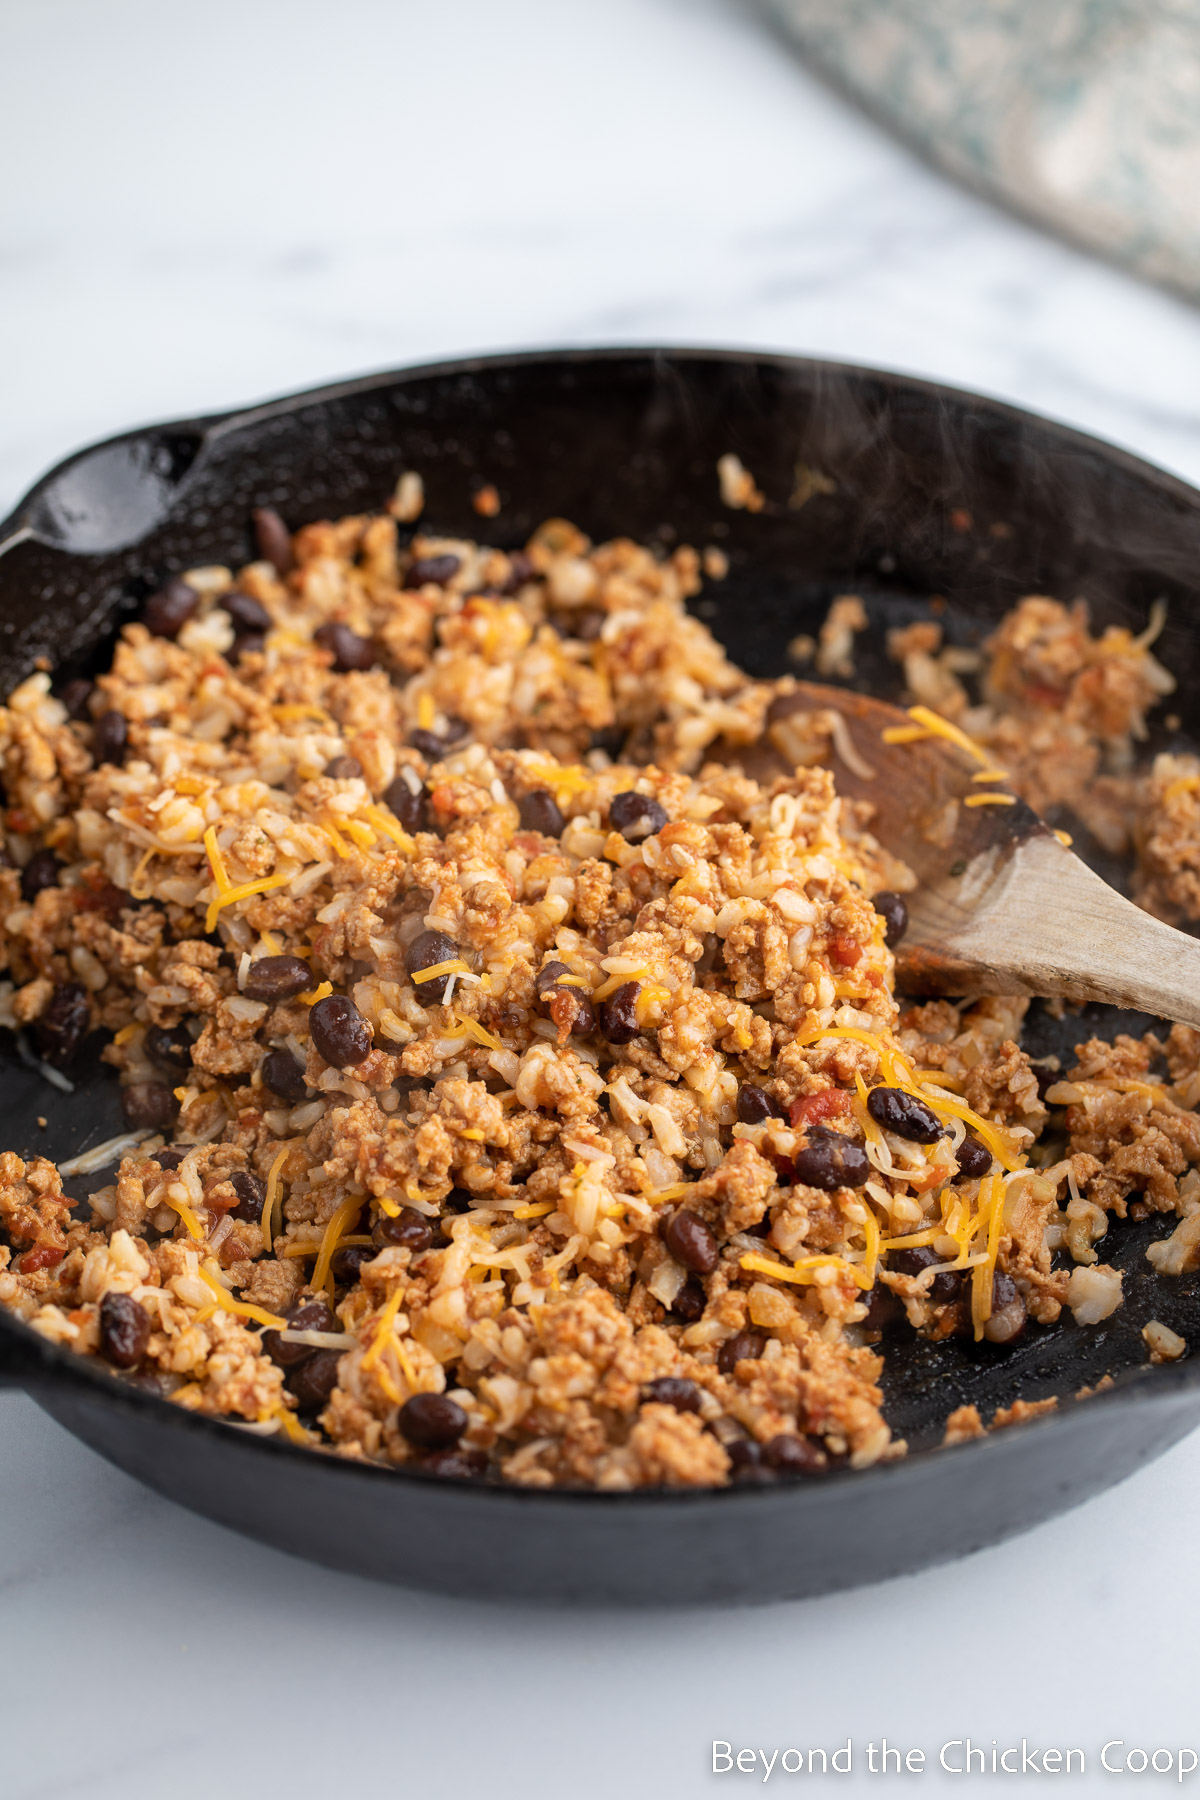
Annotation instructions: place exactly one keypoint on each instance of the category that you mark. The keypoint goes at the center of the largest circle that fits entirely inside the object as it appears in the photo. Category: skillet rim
(30, 1362)
(18, 526)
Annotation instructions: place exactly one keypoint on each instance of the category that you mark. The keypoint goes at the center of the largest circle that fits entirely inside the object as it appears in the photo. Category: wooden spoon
(1002, 906)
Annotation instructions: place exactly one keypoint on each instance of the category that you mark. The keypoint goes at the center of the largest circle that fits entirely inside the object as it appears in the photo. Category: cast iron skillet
(934, 493)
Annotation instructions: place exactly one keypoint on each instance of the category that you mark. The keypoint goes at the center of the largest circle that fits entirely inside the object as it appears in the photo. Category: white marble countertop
(208, 205)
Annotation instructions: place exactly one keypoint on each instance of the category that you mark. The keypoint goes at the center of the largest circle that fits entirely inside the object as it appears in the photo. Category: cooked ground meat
(543, 1111)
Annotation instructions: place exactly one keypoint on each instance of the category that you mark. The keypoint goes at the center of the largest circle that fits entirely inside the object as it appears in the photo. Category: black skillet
(913, 495)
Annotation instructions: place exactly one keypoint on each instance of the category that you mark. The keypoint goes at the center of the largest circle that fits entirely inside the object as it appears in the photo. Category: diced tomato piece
(845, 950)
(1044, 695)
(42, 1256)
(831, 1103)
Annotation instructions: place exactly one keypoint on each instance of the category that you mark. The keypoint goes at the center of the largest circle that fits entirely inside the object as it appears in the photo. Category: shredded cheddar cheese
(426, 711)
(244, 1308)
(990, 800)
(534, 1212)
(454, 965)
(347, 1212)
(341, 847)
(389, 827)
(194, 1228)
(318, 993)
(650, 996)
(244, 892)
(471, 1028)
(292, 1428)
(384, 1335)
(616, 981)
(136, 890)
(804, 1272)
(273, 1183)
(896, 1069)
(292, 714)
(927, 724)
(984, 1275)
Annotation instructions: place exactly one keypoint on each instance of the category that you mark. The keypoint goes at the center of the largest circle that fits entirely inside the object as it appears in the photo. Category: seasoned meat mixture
(513, 1086)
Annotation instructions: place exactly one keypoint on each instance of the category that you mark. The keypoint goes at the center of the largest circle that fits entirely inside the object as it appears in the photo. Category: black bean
(168, 611)
(828, 1160)
(344, 768)
(425, 952)
(110, 739)
(148, 1105)
(169, 1049)
(540, 812)
(408, 807)
(548, 978)
(248, 643)
(1045, 1078)
(690, 1241)
(251, 1193)
(284, 1076)
(169, 1158)
(339, 1031)
(754, 1105)
(635, 816)
(570, 1005)
(690, 1302)
(747, 1346)
(314, 1381)
(746, 1460)
(410, 1229)
(617, 1016)
(63, 1026)
(673, 1390)
(904, 1114)
(894, 910)
(308, 1315)
(41, 871)
(464, 1463)
(456, 729)
(586, 624)
(75, 696)
(792, 1454)
(348, 1262)
(974, 1158)
(349, 651)
(276, 978)
(883, 1308)
(1009, 1317)
(520, 570)
(610, 739)
(151, 1381)
(432, 1421)
(944, 1288)
(124, 1330)
(247, 613)
(431, 746)
(432, 568)
(458, 1200)
(273, 538)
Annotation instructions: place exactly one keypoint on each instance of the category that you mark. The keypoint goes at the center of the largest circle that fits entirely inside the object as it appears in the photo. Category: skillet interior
(934, 493)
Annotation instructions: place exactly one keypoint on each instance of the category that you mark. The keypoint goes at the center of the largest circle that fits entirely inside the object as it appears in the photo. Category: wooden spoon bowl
(1002, 905)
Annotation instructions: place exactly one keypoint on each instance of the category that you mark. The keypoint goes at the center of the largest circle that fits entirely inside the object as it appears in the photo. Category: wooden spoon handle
(1040, 922)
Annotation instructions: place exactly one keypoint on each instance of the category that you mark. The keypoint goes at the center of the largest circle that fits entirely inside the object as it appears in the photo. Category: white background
(206, 204)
